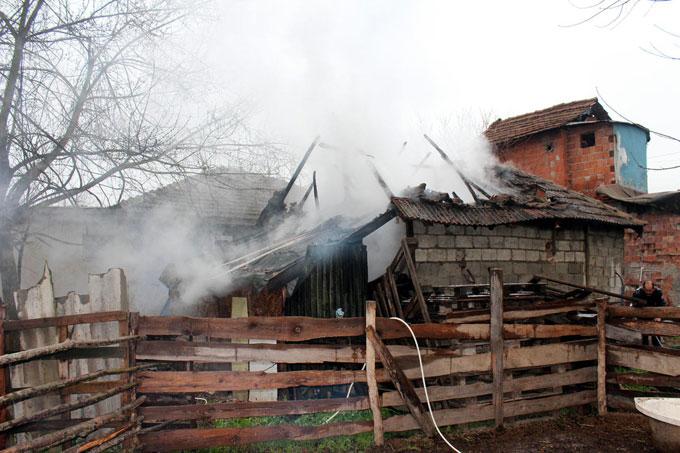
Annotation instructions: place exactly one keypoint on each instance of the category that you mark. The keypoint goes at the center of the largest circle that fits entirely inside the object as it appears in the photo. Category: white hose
(422, 374)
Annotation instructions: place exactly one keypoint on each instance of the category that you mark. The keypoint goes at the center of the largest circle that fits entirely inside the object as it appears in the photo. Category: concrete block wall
(605, 258)
(445, 253)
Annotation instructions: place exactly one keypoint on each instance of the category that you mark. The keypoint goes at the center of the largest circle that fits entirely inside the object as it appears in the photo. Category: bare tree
(79, 118)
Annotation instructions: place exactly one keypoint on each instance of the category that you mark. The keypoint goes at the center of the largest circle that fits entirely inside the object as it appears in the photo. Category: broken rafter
(447, 159)
(381, 181)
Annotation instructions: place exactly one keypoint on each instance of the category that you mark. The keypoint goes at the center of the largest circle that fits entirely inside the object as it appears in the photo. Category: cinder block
(489, 255)
(532, 255)
(558, 257)
(436, 228)
(427, 241)
(569, 257)
(446, 241)
(421, 255)
(418, 227)
(575, 268)
(455, 255)
(520, 268)
(580, 257)
(496, 242)
(473, 255)
(511, 242)
(480, 242)
(564, 246)
(503, 254)
(519, 255)
(525, 244)
(464, 241)
(436, 255)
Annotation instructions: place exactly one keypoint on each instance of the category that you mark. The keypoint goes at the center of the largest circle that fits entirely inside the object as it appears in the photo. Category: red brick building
(579, 146)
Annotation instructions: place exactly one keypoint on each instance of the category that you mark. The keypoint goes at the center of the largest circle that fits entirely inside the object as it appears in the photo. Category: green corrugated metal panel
(336, 276)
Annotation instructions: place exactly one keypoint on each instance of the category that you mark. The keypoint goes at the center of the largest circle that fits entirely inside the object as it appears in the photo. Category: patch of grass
(359, 442)
(634, 387)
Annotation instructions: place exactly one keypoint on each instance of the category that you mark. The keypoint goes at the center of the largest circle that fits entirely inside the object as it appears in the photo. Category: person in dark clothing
(652, 297)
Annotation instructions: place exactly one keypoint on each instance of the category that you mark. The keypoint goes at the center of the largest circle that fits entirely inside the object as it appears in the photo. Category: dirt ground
(613, 433)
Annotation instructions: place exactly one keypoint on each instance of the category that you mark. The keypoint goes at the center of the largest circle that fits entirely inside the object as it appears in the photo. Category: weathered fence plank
(157, 414)
(212, 381)
(373, 395)
(213, 437)
(294, 328)
(663, 362)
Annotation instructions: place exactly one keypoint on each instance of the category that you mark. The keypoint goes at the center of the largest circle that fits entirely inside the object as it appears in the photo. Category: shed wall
(444, 253)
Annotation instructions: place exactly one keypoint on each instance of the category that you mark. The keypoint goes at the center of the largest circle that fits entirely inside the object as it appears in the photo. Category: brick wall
(543, 155)
(558, 156)
(445, 253)
(590, 167)
(657, 252)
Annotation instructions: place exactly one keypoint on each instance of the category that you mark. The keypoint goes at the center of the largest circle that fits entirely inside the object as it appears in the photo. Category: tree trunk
(8, 271)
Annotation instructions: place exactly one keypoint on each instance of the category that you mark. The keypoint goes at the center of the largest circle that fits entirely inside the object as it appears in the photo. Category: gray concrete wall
(444, 253)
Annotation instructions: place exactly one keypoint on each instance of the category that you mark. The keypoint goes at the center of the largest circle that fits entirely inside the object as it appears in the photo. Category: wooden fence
(536, 367)
(176, 379)
(42, 413)
(632, 362)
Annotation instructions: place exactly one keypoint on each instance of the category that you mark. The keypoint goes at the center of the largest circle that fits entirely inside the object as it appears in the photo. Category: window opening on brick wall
(588, 140)
(549, 147)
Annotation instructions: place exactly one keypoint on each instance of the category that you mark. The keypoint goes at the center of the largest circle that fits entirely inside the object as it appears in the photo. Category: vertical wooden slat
(239, 309)
(64, 367)
(601, 356)
(3, 377)
(373, 396)
(131, 361)
(496, 326)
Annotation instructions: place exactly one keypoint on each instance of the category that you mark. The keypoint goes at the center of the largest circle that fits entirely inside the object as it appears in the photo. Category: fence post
(496, 333)
(602, 356)
(373, 396)
(3, 375)
(127, 327)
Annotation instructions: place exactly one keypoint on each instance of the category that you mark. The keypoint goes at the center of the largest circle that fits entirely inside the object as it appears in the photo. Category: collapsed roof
(509, 129)
(527, 198)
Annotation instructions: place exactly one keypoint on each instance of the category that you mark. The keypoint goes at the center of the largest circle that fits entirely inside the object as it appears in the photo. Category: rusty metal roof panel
(531, 198)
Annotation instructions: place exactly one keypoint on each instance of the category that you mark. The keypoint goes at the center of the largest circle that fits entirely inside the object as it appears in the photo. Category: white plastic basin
(664, 420)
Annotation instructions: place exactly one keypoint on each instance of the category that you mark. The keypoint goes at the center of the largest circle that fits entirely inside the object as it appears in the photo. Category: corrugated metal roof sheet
(669, 201)
(531, 199)
(509, 129)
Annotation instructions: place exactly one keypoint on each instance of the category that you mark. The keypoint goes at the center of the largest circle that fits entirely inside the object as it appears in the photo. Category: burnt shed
(533, 226)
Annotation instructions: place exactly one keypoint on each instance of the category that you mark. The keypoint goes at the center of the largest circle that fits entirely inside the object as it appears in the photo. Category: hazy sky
(376, 73)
